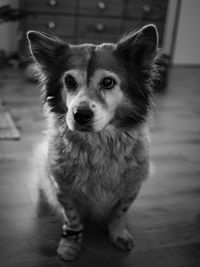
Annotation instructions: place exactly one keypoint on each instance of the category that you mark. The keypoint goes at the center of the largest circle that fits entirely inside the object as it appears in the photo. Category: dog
(95, 155)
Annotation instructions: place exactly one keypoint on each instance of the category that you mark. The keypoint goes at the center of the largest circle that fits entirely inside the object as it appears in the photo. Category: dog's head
(97, 86)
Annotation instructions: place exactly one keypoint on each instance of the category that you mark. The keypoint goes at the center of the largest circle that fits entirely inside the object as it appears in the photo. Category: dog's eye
(108, 83)
(71, 82)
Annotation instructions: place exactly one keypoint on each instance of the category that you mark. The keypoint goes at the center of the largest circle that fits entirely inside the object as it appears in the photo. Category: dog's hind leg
(70, 243)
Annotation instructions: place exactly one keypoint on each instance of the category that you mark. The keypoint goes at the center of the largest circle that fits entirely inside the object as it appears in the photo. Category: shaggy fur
(98, 170)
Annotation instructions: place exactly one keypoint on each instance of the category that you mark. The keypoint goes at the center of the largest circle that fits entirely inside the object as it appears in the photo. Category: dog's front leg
(119, 234)
(70, 243)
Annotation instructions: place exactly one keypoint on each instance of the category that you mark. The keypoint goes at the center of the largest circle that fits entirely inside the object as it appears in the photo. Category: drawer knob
(146, 9)
(52, 3)
(101, 5)
(51, 25)
(100, 27)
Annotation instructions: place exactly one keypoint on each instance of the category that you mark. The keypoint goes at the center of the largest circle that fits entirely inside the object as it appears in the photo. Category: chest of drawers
(93, 21)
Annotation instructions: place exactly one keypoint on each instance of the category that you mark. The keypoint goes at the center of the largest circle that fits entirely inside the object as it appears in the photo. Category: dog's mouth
(84, 128)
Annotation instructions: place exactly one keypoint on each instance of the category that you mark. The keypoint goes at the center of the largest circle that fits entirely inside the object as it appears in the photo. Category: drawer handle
(101, 5)
(52, 3)
(100, 27)
(51, 25)
(146, 9)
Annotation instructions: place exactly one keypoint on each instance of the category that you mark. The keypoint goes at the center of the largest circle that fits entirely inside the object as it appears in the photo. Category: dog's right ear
(44, 48)
(140, 48)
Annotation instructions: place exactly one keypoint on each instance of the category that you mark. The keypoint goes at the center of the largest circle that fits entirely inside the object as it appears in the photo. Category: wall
(170, 26)
(187, 44)
(8, 30)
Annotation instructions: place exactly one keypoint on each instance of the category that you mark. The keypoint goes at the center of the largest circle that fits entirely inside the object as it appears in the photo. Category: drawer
(131, 25)
(96, 39)
(101, 7)
(60, 25)
(69, 39)
(66, 6)
(98, 26)
(146, 9)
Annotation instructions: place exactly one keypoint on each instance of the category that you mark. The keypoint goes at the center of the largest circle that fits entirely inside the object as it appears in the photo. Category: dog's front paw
(68, 250)
(122, 240)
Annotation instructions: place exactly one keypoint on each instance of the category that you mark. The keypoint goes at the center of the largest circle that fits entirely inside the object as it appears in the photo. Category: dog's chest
(95, 174)
(97, 171)
(98, 181)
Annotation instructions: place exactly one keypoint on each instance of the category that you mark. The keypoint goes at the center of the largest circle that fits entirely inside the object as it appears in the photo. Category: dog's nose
(83, 115)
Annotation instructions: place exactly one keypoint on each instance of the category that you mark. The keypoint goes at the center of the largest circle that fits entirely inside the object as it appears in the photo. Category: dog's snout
(83, 115)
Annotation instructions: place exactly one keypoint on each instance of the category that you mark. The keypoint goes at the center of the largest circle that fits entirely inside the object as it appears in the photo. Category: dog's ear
(139, 47)
(44, 49)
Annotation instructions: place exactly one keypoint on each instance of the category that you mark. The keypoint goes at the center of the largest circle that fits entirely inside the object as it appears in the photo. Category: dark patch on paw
(124, 209)
(124, 244)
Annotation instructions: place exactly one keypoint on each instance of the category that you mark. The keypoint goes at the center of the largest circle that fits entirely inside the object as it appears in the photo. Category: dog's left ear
(139, 46)
(44, 49)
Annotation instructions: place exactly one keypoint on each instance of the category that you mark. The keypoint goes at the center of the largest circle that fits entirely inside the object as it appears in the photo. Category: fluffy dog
(95, 155)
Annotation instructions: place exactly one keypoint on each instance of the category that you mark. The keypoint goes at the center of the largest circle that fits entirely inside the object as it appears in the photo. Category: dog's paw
(68, 250)
(123, 240)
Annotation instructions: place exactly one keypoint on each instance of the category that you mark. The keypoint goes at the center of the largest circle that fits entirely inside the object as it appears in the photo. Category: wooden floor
(165, 219)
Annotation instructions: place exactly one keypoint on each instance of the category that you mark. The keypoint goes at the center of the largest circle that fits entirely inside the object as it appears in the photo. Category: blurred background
(103, 21)
(165, 219)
